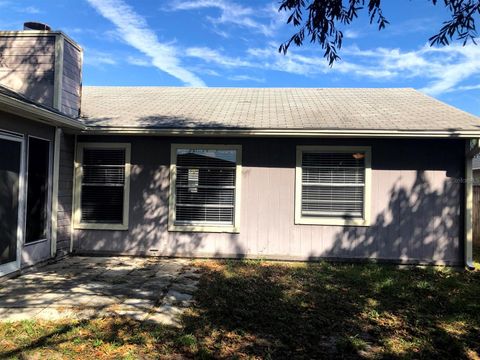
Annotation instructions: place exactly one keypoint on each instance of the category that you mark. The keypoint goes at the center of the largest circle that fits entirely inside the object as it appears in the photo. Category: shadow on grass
(331, 310)
(258, 309)
(112, 337)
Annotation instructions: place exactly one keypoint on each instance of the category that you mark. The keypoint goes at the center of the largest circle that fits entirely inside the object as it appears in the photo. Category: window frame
(48, 229)
(327, 220)
(235, 227)
(78, 186)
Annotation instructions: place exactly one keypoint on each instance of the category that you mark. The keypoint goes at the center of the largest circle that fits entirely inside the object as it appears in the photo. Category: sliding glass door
(10, 202)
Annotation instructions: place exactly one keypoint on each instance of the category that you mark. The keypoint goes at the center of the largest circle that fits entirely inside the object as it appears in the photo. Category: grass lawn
(253, 309)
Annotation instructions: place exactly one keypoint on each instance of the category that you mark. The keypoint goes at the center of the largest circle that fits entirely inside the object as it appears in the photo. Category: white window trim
(78, 187)
(235, 228)
(365, 221)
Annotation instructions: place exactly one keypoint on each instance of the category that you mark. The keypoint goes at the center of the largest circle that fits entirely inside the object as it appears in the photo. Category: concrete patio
(146, 289)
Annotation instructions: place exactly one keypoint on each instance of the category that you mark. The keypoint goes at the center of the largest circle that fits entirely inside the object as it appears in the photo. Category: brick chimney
(43, 65)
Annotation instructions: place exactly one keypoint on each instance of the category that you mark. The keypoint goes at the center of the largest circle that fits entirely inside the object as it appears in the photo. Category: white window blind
(205, 186)
(333, 184)
(103, 185)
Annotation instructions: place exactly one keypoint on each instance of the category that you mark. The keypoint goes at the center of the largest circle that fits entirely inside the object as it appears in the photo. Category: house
(297, 174)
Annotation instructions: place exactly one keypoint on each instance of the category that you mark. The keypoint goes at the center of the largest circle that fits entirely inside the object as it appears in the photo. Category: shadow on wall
(148, 234)
(30, 67)
(421, 223)
(416, 205)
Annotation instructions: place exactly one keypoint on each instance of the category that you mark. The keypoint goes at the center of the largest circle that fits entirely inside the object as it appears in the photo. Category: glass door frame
(48, 230)
(15, 265)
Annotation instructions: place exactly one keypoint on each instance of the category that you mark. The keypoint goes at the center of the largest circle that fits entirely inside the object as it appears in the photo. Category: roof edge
(38, 33)
(37, 113)
(283, 132)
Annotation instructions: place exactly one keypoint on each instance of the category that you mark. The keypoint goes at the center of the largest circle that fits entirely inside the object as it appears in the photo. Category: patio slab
(146, 289)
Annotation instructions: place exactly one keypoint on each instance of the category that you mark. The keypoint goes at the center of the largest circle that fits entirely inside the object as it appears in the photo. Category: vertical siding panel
(425, 220)
(262, 208)
(454, 204)
(251, 208)
(306, 240)
(71, 79)
(476, 215)
(284, 213)
(246, 221)
(316, 245)
(65, 190)
(272, 216)
(296, 243)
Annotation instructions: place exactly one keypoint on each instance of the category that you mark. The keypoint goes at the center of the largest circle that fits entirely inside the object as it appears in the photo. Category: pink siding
(27, 66)
(416, 202)
(71, 79)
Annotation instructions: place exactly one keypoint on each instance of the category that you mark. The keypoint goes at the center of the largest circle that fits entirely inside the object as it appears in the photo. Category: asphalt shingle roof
(273, 108)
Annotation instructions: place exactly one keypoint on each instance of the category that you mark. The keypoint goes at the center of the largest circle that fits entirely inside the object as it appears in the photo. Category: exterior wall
(476, 216)
(71, 79)
(46, 67)
(476, 177)
(27, 65)
(35, 252)
(65, 191)
(416, 205)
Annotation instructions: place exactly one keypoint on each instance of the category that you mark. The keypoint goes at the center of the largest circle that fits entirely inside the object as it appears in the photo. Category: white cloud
(97, 58)
(246, 78)
(214, 56)
(134, 30)
(236, 14)
(467, 88)
(30, 10)
(307, 65)
(442, 69)
(351, 34)
(133, 60)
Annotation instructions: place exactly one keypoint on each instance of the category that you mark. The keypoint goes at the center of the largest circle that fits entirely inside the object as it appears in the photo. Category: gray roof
(273, 108)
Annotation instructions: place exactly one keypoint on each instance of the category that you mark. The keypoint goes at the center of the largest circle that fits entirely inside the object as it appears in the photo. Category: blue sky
(234, 44)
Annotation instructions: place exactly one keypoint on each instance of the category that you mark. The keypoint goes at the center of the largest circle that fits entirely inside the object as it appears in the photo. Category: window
(205, 188)
(38, 169)
(102, 186)
(333, 185)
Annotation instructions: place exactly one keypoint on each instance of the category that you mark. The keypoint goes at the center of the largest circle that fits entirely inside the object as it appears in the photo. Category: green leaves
(325, 18)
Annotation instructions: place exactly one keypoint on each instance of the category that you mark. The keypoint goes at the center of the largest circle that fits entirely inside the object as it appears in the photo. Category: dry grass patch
(275, 310)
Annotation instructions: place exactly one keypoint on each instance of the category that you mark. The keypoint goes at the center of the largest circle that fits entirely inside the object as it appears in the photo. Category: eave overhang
(38, 113)
(235, 132)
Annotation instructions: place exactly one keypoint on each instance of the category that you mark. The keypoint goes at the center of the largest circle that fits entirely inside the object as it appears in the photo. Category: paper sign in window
(193, 180)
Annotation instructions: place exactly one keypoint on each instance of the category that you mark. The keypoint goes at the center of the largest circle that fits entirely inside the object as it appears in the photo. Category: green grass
(271, 310)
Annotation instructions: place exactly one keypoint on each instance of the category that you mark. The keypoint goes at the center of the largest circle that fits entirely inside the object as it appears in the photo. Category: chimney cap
(34, 25)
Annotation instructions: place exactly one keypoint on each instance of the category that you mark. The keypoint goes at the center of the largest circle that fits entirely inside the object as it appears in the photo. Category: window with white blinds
(204, 192)
(332, 184)
(102, 185)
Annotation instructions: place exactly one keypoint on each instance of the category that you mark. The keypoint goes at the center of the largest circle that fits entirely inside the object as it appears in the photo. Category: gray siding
(27, 66)
(71, 79)
(416, 205)
(65, 186)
